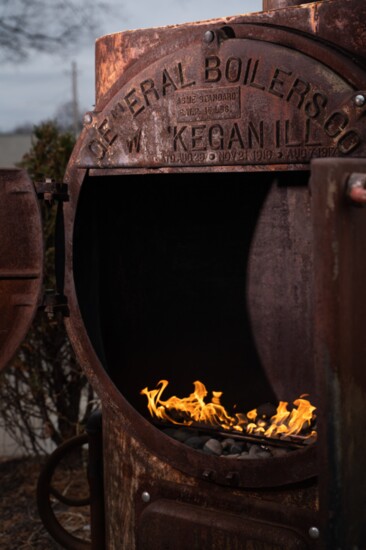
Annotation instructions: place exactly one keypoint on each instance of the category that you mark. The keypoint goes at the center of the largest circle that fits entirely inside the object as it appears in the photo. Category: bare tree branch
(45, 26)
(44, 396)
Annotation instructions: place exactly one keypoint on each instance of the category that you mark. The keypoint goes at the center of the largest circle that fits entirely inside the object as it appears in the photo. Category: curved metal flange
(44, 491)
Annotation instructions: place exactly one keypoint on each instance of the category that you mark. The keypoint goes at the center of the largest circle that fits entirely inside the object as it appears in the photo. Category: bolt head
(208, 36)
(360, 100)
(88, 118)
(314, 533)
(145, 496)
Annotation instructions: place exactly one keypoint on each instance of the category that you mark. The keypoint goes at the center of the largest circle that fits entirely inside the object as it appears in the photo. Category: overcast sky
(32, 91)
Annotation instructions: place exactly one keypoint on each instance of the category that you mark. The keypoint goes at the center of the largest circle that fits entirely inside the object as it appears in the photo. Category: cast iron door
(21, 259)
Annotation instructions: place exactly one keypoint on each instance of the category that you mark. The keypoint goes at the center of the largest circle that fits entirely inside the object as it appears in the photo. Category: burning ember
(295, 423)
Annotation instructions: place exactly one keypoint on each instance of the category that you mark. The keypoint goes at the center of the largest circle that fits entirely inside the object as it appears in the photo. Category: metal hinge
(51, 191)
(53, 302)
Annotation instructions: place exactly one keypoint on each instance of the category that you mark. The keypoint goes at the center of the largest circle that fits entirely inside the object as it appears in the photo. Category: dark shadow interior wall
(165, 258)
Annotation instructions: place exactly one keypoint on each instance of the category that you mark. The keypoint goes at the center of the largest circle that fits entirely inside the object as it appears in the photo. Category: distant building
(12, 148)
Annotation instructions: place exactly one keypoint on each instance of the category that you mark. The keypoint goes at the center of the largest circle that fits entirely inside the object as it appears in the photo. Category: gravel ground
(20, 525)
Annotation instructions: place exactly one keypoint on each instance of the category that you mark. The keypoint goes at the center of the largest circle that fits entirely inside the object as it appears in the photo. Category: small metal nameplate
(208, 104)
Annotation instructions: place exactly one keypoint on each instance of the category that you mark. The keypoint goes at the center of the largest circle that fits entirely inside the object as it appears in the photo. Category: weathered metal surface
(175, 525)
(320, 21)
(277, 4)
(184, 277)
(338, 22)
(254, 168)
(280, 287)
(132, 469)
(340, 351)
(229, 102)
(299, 77)
(21, 259)
(138, 458)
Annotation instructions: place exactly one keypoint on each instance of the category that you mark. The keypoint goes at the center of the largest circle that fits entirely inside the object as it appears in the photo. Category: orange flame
(291, 423)
(193, 409)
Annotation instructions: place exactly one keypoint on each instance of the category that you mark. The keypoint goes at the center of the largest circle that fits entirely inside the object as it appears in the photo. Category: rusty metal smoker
(268, 109)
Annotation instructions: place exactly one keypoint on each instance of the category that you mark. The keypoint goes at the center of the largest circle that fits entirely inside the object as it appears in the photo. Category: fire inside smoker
(294, 424)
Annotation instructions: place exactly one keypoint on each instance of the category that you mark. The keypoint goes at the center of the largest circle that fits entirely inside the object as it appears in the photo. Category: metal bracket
(50, 191)
(53, 303)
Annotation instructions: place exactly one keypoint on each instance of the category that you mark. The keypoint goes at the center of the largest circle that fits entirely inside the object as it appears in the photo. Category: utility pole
(75, 106)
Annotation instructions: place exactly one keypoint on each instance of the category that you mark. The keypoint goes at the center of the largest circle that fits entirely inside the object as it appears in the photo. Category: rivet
(208, 36)
(360, 100)
(314, 533)
(88, 118)
(356, 189)
(212, 156)
(146, 496)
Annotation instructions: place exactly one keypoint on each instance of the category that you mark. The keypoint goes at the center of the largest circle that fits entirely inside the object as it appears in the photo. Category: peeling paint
(331, 194)
(313, 18)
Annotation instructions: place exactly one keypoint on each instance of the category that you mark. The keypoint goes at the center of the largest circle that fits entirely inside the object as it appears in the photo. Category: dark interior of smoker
(160, 266)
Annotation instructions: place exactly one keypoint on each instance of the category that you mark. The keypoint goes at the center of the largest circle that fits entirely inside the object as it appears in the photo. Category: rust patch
(230, 103)
(21, 259)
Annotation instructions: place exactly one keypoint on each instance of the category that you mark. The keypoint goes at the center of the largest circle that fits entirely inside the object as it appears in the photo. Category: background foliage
(44, 397)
